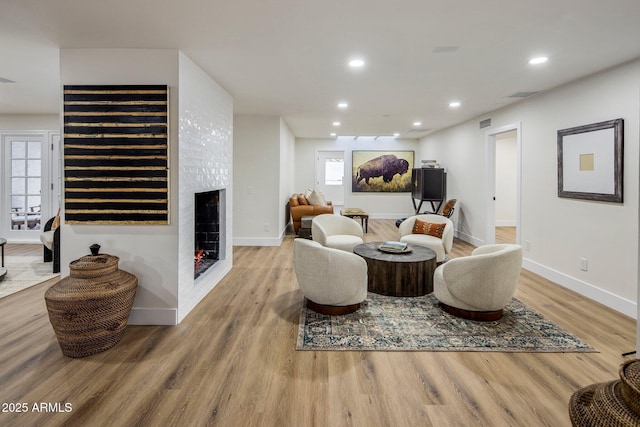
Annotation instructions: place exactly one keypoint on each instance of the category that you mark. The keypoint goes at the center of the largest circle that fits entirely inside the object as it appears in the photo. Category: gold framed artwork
(116, 154)
(381, 171)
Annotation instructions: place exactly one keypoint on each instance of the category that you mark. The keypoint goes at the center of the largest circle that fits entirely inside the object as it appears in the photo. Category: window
(25, 183)
(333, 171)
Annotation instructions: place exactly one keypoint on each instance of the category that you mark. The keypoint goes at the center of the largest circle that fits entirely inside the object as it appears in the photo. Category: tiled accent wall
(205, 164)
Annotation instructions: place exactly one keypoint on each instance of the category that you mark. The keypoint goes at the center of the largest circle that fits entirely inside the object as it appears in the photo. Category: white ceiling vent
(522, 94)
(485, 123)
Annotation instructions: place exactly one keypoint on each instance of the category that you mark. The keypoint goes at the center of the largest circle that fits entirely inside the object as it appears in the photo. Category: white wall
(151, 251)
(147, 251)
(257, 151)
(378, 205)
(287, 169)
(30, 122)
(506, 179)
(561, 231)
(461, 151)
(205, 164)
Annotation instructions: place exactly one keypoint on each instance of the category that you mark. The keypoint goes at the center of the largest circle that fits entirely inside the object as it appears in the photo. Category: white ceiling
(289, 57)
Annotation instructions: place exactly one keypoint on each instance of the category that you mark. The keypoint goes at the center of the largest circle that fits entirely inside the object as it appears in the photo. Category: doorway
(330, 175)
(28, 185)
(503, 184)
(506, 171)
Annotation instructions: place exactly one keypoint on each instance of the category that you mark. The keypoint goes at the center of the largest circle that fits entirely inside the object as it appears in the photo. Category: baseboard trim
(505, 223)
(468, 238)
(153, 316)
(588, 290)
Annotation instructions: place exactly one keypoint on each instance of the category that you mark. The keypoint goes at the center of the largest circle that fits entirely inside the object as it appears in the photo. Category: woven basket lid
(94, 265)
(613, 403)
(92, 278)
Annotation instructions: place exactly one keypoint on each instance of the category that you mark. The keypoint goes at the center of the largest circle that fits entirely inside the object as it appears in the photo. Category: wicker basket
(614, 403)
(630, 384)
(89, 309)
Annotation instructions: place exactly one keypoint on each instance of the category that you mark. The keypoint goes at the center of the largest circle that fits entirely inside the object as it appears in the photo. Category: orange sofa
(300, 206)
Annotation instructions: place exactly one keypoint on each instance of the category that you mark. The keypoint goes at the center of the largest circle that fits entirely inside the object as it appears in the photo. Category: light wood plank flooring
(232, 362)
(505, 234)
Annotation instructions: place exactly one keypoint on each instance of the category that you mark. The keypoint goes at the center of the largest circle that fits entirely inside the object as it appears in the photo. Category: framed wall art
(381, 171)
(590, 161)
(116, 154)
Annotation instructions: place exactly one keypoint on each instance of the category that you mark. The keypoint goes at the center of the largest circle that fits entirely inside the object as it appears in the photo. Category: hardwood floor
(232, 362)
(22, 249)
(505, 234)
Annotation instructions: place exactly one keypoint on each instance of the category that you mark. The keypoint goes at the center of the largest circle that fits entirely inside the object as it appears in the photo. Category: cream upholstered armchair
(333, 281)
(423, 230)
(336, 231)
(479, 286)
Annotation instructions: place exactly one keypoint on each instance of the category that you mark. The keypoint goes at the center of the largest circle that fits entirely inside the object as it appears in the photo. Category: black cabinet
(428, 185)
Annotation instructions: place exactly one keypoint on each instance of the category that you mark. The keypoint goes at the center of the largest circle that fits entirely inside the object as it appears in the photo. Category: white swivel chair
(333, 281)
(441, 246)
(336, 231)
(479, 286)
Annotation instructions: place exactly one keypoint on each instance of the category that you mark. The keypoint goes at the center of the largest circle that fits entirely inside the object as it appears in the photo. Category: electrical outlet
(583, 264)
(527, 245)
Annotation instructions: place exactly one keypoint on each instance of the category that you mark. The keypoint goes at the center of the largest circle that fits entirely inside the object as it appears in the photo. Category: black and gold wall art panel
(116, 154)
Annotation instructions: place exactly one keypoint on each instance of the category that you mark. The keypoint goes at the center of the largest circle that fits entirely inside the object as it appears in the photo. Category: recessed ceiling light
(356, 63)
(396, 134)
(332, 134)
(538, 60)
(342, 105)
(417, 123)
(454, 104)
(336, 123)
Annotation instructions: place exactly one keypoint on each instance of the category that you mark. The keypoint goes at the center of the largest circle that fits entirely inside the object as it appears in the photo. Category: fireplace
(208, 229)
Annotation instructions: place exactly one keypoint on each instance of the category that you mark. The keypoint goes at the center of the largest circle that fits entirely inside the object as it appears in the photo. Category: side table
(3, 270)
(305, 227)
(354, 213)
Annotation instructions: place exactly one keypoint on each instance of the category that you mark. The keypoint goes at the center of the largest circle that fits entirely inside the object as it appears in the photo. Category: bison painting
(386, 166)
(381, 171)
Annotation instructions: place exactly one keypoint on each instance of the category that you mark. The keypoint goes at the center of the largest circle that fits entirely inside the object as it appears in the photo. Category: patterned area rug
(418, 323)
(24, 272)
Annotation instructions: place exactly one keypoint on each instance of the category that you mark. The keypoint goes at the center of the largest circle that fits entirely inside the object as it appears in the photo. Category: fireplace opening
(207, 231)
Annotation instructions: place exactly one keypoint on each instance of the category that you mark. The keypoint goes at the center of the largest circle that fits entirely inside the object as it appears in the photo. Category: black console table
(428, 185)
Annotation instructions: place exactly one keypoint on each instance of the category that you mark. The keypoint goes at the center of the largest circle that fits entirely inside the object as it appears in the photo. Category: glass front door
(25, 179)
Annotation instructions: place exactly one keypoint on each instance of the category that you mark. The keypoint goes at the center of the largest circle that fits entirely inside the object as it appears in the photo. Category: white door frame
(490, 234)
(55, 173)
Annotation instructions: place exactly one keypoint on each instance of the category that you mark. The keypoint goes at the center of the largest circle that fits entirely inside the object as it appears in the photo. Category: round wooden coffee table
(404, 275)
